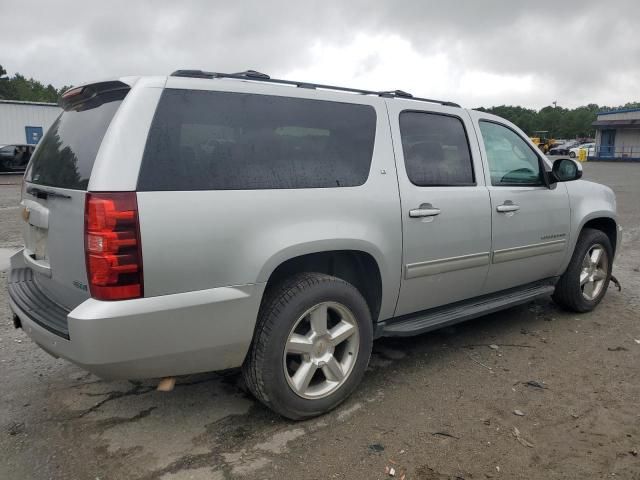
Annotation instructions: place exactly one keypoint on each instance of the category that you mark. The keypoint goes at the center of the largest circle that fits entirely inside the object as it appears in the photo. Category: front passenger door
(529, 220)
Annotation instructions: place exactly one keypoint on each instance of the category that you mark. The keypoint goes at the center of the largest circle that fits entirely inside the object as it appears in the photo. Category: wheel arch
(605, 224)
(604, 221)
(358, 267)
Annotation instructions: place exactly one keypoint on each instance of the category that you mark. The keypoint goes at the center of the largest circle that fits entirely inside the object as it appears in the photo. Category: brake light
(72, 92)
(112, 246)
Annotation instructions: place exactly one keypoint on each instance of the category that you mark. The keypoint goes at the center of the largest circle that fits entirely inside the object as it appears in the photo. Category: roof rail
(262, 77)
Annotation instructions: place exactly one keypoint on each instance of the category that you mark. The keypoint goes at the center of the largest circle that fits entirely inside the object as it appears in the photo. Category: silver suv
(205, 221)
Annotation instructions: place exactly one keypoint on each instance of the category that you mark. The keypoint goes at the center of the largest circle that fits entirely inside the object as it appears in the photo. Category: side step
(427, 320)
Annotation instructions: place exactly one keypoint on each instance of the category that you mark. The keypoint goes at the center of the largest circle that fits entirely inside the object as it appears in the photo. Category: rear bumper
(151, 337)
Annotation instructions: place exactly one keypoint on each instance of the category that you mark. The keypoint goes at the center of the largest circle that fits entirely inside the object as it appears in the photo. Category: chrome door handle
(508, 206)
(425, 210)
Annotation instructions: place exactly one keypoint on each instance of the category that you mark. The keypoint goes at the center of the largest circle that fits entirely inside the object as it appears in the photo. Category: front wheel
(572, 154)
(311, 346)
(585, 282)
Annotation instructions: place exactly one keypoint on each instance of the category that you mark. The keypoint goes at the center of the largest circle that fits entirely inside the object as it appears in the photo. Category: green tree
(559, 122)
(19, 87)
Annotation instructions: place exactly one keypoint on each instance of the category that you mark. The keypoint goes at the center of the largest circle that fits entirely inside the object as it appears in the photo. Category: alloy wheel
(321, 350)
(593, 275)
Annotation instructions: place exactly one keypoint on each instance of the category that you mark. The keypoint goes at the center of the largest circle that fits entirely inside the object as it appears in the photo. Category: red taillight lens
(112, 246)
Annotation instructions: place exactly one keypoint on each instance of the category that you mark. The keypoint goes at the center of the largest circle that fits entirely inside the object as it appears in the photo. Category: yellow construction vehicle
(542, 141)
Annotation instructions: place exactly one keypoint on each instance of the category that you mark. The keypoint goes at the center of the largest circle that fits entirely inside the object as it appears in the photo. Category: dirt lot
(439, 406)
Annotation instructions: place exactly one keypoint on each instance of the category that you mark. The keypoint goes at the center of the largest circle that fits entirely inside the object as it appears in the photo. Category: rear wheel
(311, 346)
(586, 279)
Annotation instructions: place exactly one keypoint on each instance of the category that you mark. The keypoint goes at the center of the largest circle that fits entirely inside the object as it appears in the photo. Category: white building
(24, 123)
(618, 135)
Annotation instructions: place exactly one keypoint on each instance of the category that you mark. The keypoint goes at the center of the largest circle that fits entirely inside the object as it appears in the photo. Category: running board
(421, 322)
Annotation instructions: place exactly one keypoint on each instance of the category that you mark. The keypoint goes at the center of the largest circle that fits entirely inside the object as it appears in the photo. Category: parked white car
(591, 150)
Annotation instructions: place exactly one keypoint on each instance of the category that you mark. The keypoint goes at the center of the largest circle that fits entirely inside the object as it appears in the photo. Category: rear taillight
(112, 246)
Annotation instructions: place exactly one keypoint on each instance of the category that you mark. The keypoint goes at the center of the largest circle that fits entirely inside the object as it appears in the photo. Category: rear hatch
(53, 197)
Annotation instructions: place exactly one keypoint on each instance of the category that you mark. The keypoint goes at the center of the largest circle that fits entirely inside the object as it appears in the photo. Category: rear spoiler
(92, 95)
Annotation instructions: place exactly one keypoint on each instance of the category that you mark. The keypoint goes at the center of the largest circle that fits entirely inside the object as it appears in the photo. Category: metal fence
(612, 152)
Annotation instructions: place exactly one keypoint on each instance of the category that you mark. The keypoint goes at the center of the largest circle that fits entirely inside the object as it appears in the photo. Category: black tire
(568, 293)
(572, 154)
(281, 308)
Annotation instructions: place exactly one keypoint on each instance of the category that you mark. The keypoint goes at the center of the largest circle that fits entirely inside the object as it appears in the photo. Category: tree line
(19, 87)
(558, 121)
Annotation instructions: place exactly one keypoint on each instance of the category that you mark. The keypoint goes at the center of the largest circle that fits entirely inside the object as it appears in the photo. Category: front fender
(588, 201)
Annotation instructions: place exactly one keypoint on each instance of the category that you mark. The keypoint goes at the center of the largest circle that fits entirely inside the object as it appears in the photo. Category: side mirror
(566, 170)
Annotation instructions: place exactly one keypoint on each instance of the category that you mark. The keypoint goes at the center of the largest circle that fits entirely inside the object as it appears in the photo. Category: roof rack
(263, 77)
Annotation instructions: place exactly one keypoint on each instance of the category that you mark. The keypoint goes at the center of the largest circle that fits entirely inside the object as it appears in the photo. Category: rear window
(204, 140)
(66, 153)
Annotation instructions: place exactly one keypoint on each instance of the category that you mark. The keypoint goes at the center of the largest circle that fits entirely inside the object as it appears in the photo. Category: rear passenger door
(446, 218)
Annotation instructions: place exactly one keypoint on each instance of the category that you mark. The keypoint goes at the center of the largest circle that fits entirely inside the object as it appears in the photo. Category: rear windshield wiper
(43, 193)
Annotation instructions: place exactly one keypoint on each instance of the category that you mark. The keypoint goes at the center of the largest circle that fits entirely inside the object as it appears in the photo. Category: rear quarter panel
(204, 239)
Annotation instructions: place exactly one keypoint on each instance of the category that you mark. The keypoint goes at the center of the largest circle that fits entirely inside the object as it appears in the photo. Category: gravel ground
(438, 406)
(9, 212)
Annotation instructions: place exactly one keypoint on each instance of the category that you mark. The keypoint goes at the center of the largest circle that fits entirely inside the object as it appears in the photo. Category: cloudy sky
(481, 52)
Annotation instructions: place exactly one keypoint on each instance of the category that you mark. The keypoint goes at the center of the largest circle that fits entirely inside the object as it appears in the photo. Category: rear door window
(67, 152)
(207, 140)
(436, 150)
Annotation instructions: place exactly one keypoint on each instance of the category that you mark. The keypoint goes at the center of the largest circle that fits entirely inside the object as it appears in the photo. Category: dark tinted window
(66, 153)
(436, 149)
(203, 140)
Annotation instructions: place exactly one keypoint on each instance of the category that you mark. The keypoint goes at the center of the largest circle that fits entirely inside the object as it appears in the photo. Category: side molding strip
(434, 267)
(516, 253)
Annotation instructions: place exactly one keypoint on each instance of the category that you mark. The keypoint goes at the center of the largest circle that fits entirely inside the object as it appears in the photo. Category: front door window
(512, 162)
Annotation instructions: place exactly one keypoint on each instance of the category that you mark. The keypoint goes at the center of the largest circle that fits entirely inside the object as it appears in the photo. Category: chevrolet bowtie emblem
(25, 214)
